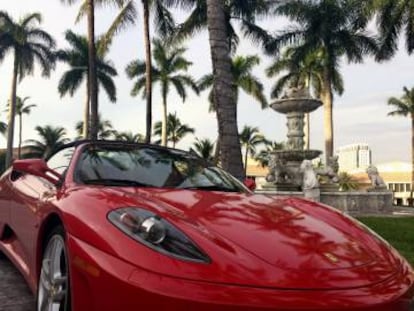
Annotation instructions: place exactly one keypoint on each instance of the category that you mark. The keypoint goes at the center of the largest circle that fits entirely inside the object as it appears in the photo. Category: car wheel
(53, 292)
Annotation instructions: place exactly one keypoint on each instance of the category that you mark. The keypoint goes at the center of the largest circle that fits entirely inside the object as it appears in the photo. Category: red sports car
(115, 226)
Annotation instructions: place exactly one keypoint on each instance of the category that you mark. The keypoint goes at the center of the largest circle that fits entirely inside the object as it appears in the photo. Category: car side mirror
(37, 167)
(250, 184)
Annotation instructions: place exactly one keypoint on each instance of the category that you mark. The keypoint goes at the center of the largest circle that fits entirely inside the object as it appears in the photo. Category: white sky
(360, 115)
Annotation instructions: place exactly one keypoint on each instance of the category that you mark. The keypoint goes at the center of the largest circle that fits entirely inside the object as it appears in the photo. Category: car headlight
(156, 233)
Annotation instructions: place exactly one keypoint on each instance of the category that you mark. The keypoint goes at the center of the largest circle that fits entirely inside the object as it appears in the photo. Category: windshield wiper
(210, 188)
(115, 182)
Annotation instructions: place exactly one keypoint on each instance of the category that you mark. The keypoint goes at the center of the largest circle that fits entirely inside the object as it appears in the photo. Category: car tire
(53, 291)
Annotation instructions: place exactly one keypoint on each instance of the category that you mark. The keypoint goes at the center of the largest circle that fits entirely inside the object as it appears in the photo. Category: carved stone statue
(330, 170)
(296, 92)
(377, 182)
(310, 185)
(277, 171)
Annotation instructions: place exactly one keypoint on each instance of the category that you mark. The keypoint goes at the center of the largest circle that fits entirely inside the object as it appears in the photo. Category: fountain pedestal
(284, 172)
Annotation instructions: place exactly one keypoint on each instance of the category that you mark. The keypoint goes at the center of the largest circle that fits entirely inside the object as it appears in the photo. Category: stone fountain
(284, 165)
(286, 178)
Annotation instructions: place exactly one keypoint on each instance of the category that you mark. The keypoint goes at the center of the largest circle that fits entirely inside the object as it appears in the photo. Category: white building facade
(354, 157)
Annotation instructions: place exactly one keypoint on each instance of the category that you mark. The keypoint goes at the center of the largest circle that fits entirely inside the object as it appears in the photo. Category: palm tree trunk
(412, 159)
(19, 150)
(148, 70)
(93, 82)
(245, 161)
(164, 121)
(327, 99)
(223, 90)
(86, 113)
(12, 114)
(217, 152)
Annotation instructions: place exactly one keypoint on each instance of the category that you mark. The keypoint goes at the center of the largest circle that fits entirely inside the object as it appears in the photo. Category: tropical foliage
(250, 138)
(29, 45)
(51, 139)
(169, 70)
(77, 57)
(204, 148)
(21, 109)
(105, 129)
(335, 29)
(176, 131)
(243, 78)
(242, 13)
(404, 107)
(263, 156)
(164, 26)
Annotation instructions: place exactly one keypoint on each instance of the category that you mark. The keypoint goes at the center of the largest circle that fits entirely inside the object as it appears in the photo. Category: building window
(407, 187)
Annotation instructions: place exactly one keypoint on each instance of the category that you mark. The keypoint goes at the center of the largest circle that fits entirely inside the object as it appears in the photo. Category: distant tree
(29, 45)
(404, 107)
(393, 17)
(346, 182)
(77, 57)
(244, 79)
(105, 129)
(176, 131)
(130, 137)
(263, 156)
(204, 148)
(21, 109)
(250, 138)
(168, 71)
(51, 139)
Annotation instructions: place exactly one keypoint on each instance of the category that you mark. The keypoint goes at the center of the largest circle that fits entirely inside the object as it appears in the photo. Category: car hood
(272, 242)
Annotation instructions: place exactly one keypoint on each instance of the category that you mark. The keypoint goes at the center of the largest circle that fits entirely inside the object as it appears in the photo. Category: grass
(399, 232)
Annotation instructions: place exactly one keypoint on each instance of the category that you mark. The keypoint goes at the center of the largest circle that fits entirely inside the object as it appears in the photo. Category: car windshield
(145, 166)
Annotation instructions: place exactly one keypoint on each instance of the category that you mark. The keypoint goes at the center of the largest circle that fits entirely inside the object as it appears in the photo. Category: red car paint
(266, 253)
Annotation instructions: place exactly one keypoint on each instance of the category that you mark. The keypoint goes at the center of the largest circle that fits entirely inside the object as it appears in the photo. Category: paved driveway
(14, 294)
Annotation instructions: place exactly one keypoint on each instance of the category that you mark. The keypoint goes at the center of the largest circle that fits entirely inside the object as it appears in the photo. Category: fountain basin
(305, 105)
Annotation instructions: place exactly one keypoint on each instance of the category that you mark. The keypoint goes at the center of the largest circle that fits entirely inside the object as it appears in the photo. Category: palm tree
(204, 148)
(22, 109)
(224, 96)
(29, 44)
(105, 129)
(170, 63)
(404, 107)
(306, 73)
(393, 17)
(250, 138)
(130, 137)
(164, 25)
(51, 139)
(88, 9)
(263, 156)
(77, 57)
(244, 79)
(243, 13)
(336, 29)
(176, 131)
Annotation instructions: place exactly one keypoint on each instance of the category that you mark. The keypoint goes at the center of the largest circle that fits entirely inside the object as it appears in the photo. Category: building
(354, 157)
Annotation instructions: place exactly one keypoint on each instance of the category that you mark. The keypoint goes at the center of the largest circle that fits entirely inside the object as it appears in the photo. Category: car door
(25, 214)
(32, 197)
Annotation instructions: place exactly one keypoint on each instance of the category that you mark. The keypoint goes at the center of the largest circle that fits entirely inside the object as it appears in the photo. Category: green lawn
(399, 232)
